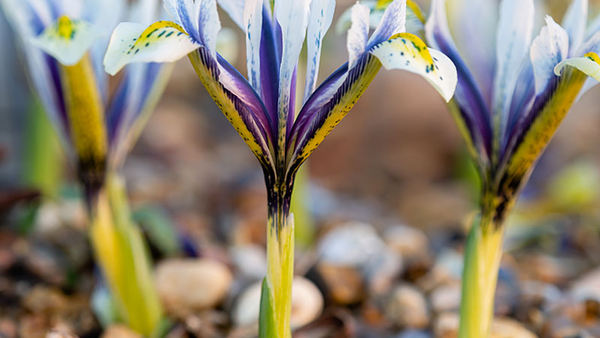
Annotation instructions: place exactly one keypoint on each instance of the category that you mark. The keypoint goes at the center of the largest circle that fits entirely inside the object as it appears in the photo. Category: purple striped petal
(473, 109)
(269, 70)
(238, 102)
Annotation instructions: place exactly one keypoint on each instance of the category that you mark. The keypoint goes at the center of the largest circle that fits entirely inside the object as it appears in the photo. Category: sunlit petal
(393, 22)
(163, 41)
(547, 50)
(408, 52)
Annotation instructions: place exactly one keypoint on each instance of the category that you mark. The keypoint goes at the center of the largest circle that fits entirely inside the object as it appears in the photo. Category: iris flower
(262, 107)
(63, 43)
(512, 94)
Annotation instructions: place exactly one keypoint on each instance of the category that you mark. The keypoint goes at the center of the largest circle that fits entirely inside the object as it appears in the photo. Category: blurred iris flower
(513, 92)
(64, 42)
(262, 107)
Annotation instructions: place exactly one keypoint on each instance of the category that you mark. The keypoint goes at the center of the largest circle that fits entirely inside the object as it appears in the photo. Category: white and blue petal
(358, 34)
(253, 17)
(321, 16)
(515, 30)
(575, 22)
(393, 22)
(547, 50)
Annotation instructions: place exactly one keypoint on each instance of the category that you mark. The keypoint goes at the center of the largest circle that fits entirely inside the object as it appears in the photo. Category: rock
(446, 297)
(345, 284)
(446, 326)
(587, 287)
(352, 244)
(407, 307)
(447, 269)
(409, 242)
(250, 261)
(120, 331)
(307, 304)
(42, 299)
(188, 285)
(382, 270)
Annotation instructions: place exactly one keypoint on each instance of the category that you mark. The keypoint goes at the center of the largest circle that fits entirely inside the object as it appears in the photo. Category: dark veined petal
(338, 94)
(548, 111)
(237, 100)
(163, 41)
(472, 113)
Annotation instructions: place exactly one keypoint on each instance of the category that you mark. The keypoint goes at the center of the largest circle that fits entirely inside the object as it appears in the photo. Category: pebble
(345, 285)
(587, 287)
(120, 331)
(307, 304)
(407, 307)
(250, 261)
(410, 243)
(351, 244)
(189, 285)
(446, 326)
(446, 297)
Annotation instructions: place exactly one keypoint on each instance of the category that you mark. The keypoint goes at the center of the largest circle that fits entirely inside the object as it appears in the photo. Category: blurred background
(382, 229)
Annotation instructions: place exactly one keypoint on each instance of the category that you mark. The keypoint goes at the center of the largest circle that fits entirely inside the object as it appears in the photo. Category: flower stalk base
(122, 254)
(483, 253)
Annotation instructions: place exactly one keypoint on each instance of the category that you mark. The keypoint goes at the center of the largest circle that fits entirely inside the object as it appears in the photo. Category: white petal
(358, 34)
(292, 16)
(512, 45)
(163, 41)
(209, 24)
(407, 52)
(575, 21)
(253, 28)
(67, 40)
(235, 10)
(547, 50)
(393, 22)
(321, 16)
(588, 64)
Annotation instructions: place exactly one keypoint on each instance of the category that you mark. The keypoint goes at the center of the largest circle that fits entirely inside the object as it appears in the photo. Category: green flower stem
(124, 258)
(276, 298)
(483, 253)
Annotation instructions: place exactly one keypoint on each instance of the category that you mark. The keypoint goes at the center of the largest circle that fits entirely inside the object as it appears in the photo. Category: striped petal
(253, 17)
(67, 40)
(512, 45)
(163, 41)
(321, 16)
(237, 100)
(358, 34)
(548, 111)
(548, 50)
(132, 104)
(292, 16)
(472, 113)
(393, 22)
(338, 94)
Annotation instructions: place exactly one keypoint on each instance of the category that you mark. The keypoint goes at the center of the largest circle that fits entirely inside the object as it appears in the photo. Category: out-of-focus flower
(511, 99)
(63, 43)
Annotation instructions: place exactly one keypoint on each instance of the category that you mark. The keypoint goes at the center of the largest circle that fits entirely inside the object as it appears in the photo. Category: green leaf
(267, 327)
